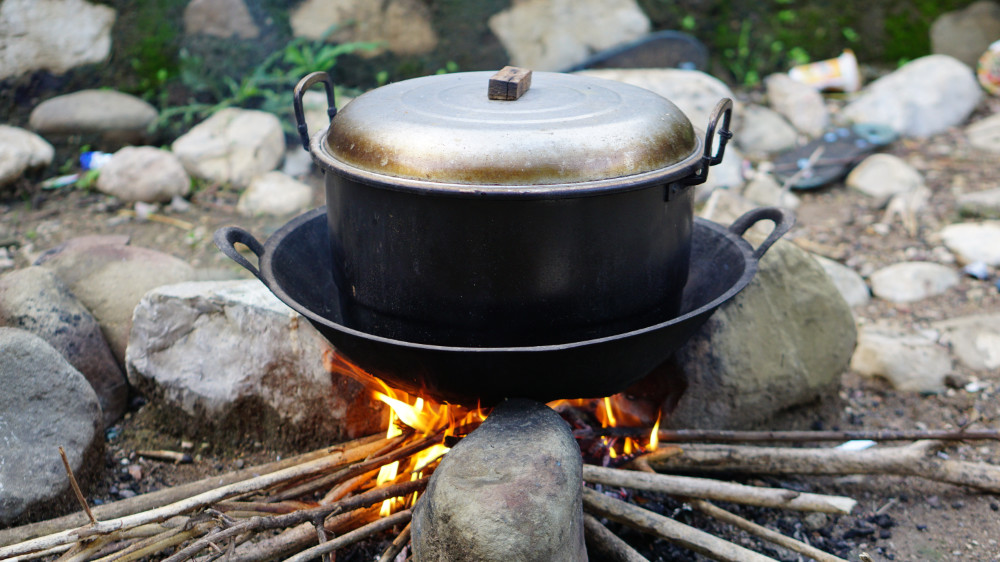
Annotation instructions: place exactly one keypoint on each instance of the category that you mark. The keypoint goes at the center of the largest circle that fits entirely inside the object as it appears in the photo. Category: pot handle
(307, 82)
(723, 110)
(226, 238)
(783, 220)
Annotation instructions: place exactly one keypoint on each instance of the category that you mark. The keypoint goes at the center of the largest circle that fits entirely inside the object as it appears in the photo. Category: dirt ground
(896, 519)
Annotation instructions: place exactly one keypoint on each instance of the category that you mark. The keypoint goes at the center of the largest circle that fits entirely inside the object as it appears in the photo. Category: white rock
(911, 362)
(21, 150)
(764, 131)
(693, 92)
(984, 134)
(972, 242)
(556, 34)
(849, 282)
(883, 175)
(764, 190)
(965, 34)
(220, 18)
(802, 105)
(233, 146)
(216, 352)
(274, 193)
(727, 174)
(89, 111)
(912, 281)
(144, 173)
(983, 204)
(402, 26)
(54, 35)
(975, 340)
(923, 98)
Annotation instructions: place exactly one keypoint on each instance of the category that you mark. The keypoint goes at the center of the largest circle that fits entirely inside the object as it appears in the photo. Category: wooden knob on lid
(509, 83)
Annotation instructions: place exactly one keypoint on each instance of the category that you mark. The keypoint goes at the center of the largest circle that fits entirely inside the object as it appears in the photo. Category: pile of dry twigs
(312, 505)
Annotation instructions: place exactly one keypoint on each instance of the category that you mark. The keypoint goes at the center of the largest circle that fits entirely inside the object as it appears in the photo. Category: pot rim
(687, 167)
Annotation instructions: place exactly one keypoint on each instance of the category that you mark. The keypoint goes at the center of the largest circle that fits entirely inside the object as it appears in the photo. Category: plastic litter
(977, 270)
(840, 73)
(94, 160)
(988, 69)
(60, 181)
(856, 445)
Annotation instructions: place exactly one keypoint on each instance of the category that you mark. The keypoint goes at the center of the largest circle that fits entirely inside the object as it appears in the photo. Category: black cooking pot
(455, 219)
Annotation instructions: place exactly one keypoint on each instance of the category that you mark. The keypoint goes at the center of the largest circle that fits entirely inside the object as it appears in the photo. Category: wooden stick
(196, 502)
(397, 546)
(348, 486)
(605, 543)
(668, 529)
(301, 536)
(909, 460)
(763, 532)
(353, 451)
(354, 536)
(727, 436)
(718, 490)
(302, 516)
(76, 487)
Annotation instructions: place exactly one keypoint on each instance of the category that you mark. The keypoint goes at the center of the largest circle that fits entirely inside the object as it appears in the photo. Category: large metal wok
(294, 263)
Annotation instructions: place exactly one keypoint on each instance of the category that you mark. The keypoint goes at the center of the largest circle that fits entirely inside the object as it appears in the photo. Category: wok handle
(307, 82)
(783, 220)
(226, 238)
(724, 111)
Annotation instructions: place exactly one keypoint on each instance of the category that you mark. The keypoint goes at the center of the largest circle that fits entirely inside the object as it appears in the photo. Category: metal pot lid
(564, 129)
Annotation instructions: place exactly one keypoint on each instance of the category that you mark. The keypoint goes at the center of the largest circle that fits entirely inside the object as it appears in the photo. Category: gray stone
(34, 299)
(144, 173)
(800, 103)
(509, 491)
(924, 97)
(233, 146)
(276, 194)
(109, 279)
(784, 341)
(984, 134)
(883, 175)
(21, 150)
(220, 18)
(849, 282)
(911, 362)
(557, 34)
(764, 190)
(228, 357)
(727, 174)
(402, 27)
(980, 204)
(693, 92)
(975, 340)
(45, 404)
(912, 281)
(93, 111)
(965, 34)
(54, 35)
(764, 131)
(973, 241)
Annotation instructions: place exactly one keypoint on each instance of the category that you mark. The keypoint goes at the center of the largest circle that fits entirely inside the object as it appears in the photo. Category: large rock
(21, 150)
(54, 35)
(557, 34)
(233, 146)
(275, 193)
(912, 281)
(230, 359)
(108, 112)
(973, 241)
(401, 26)
(975, 340)
(923, 98)
(45, 404)
(911, 362)
(784, 341)
(144, 173)
(34, 299)
(800, 103)
(220, 18)
(965, 34)
(110, 278)
(882, 176)
(764, 132)
(509, 491)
